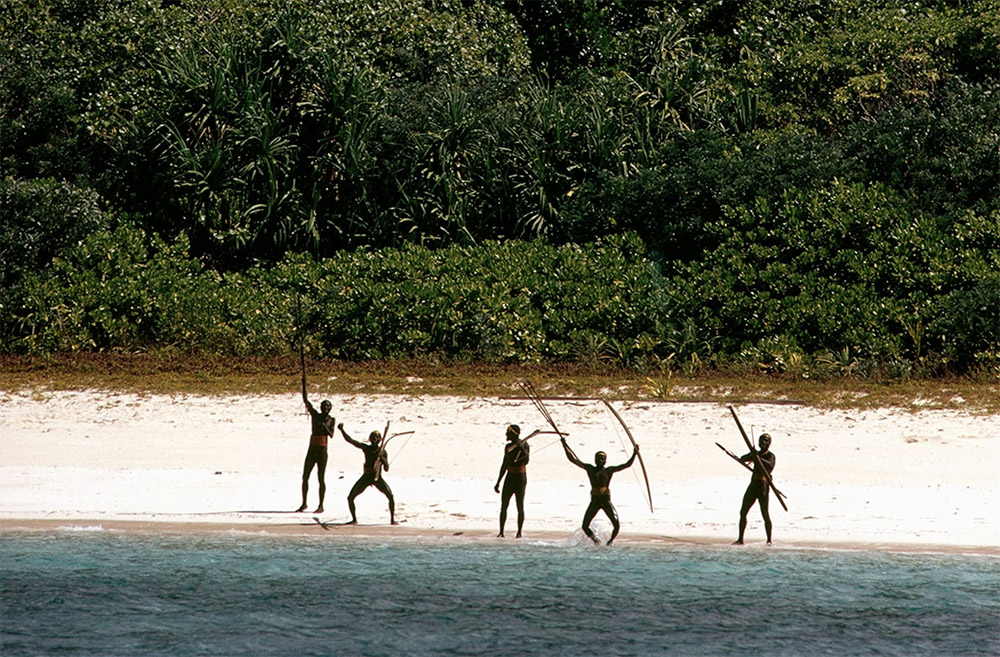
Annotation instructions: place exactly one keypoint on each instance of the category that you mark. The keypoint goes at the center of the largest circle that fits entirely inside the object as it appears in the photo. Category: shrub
(968, 326)
(38, 220)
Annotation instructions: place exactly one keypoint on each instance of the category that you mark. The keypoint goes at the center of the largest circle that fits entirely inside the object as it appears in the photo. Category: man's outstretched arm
(628, 463)
(571, 456)
(348, 438)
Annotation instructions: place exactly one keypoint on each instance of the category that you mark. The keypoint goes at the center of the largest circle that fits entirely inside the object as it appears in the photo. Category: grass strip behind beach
(208, 375)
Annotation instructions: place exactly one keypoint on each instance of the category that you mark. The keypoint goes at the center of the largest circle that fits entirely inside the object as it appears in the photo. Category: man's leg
(321, 473)
(306, 471)
(359, 486)
(384, 487)
(504, 503)
(748, 499)
(765, 511)
(519, 498)
(588, 517)
(609, 510)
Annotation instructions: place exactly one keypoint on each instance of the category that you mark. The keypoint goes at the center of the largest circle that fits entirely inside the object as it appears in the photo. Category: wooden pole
(302, 347)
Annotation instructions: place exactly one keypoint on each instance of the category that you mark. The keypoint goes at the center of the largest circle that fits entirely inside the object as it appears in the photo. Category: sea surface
(101, 592)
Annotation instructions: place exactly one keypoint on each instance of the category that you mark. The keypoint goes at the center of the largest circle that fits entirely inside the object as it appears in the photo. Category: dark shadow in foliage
(967, 327)
(703, 172)
(38, 220)
(942, 154)
(565, 37)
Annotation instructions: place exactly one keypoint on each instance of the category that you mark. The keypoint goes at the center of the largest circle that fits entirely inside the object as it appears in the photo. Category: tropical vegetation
(799, 187)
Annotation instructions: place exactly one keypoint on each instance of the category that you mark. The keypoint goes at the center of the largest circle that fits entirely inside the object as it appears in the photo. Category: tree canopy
(802, 177)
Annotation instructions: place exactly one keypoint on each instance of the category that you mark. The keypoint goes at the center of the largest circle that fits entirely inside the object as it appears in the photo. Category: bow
(756, 458)
(628, 432)
(385, 444)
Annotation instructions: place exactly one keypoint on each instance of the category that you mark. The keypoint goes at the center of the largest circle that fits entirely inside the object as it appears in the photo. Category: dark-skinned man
(322, 428)
(758, 490)
(600, 493)
(376, 460)
(515, 462)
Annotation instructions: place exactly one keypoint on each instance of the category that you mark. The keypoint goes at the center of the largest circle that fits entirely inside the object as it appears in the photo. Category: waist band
(518, 469)
(318, 440)
(597, 492)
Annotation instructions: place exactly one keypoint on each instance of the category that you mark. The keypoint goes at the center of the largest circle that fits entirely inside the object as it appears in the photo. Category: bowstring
(400, 449)
(543, 447)
(635, 473)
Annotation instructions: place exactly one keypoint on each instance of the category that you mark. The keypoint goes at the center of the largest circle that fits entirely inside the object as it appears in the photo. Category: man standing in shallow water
(322, 429)
(515, 462)
(600, 492)
(758, 490)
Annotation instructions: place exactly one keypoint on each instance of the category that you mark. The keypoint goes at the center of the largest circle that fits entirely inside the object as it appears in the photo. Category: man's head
(375, 437)
(600, 459)
(326, 406)
(513, 432)
(764, 441)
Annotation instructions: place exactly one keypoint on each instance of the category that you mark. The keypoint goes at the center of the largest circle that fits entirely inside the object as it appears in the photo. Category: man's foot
(738, 541)
(352, 521)
(319, 509)
(393, 523)
(500, 535)
(769, 544)
(300, 509)
(518, 535)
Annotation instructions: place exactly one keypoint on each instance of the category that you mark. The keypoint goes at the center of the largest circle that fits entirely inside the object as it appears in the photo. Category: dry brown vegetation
(207, 375)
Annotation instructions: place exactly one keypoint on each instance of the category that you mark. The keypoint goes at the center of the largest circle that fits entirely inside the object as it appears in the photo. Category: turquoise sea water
(108, 593)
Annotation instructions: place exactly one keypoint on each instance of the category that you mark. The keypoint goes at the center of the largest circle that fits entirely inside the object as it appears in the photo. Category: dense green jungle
(808, 190)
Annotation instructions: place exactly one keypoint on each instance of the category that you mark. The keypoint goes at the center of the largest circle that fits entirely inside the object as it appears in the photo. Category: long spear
(302, 347)
(756, 458)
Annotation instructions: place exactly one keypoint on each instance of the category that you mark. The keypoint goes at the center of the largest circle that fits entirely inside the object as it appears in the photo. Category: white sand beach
(882, 479)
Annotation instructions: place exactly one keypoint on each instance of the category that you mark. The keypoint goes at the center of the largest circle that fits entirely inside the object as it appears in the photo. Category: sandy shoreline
(403, 534)
(883, 479)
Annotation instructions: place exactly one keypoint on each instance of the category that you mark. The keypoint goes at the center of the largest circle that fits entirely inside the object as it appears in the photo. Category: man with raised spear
(316, 456)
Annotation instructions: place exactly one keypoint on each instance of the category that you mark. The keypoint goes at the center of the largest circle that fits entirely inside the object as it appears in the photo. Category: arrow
(382, 456)
(529, 391)
(735, 458)
(539, 433)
